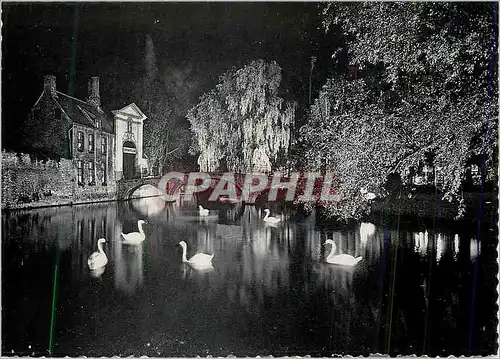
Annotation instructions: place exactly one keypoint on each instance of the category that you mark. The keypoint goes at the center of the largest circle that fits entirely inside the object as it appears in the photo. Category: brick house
(62, 126)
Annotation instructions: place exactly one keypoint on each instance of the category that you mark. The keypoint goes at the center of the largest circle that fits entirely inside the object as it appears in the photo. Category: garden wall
(27, 182)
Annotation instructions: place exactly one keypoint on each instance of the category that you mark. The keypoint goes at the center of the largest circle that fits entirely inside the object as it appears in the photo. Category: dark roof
(83, 113)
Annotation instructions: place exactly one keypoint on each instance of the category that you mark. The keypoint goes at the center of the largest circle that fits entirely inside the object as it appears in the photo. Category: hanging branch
(243, 113)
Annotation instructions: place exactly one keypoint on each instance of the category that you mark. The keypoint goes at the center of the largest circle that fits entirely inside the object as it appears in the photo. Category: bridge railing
(174, 185)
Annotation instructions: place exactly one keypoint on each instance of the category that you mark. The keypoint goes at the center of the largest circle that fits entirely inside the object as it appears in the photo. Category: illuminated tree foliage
(423, 96)
(241, 114)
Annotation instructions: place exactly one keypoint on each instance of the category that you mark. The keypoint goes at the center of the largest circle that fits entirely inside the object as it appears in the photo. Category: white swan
(268, 219)
(199, 260)
(368, 195)
(341, 259)
(203, 211)
(98, 259)
(135, 237)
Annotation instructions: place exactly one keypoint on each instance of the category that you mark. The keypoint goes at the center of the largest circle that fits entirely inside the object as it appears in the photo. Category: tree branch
(394, 168)
(175, 149)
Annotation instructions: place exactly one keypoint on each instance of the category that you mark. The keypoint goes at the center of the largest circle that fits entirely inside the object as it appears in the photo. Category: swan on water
(199, 260)
(135, 237)
(268, 219)
(340, 259)
(203, 211)
(98, 259)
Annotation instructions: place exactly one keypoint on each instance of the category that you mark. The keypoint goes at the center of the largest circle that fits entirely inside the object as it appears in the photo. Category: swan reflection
(190, 271)
(97, 273)
(128, 265)
(260, 259)
(333, 279)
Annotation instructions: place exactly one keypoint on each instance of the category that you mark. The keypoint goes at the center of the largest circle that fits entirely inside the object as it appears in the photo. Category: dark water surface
(423, 289)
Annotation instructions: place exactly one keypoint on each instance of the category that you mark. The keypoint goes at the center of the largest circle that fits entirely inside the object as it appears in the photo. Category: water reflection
(442, 244)
(366, 230)
(475, 248)
(149, 201)
(97, 273)
(421, 241)
(271, 284)
(128, 264)
(149, 207)
(334, 279)
(456, 245)
(192, 271)
(256, 254)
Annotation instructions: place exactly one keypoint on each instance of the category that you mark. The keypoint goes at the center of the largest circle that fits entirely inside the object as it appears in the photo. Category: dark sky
(108, 40)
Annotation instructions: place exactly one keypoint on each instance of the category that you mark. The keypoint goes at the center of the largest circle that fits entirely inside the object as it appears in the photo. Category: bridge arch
(125, 188)
(131, 190)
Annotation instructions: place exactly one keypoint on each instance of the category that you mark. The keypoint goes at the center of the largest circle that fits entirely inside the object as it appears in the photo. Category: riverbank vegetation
(414, 93)
(422, 95)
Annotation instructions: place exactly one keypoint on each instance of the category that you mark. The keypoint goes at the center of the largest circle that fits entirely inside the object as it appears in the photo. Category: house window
(129, 125)
(104, 145)
(79, 171)
(79, 143)
(104, 177)
(91, 143)
(91, 173)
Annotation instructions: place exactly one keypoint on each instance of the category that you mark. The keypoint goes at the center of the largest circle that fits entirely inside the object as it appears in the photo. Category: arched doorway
(129, 154)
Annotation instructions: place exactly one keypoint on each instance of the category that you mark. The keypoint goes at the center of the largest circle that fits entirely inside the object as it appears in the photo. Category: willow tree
(424, 96)
(243, 113)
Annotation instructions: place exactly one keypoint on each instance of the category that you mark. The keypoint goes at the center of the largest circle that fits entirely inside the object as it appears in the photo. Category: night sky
(203, 40)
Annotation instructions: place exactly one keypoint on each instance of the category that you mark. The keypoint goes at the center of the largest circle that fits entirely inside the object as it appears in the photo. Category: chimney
(49, 85)
(94, 97)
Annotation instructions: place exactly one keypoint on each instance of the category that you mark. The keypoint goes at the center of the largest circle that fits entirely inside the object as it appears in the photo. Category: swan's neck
(99, 247)
(184, 258)
(267, 215)
(141, 231)
(332, 252)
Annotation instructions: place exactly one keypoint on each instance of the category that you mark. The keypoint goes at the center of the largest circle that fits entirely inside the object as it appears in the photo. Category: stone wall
(27, 183)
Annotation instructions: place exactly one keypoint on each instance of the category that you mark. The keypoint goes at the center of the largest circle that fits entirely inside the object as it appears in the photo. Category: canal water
(421, 288)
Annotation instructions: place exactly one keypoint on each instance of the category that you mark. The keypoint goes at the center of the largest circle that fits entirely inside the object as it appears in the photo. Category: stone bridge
(126, 188)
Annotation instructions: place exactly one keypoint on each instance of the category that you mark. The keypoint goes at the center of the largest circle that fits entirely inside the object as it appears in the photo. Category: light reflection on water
(269, 286)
